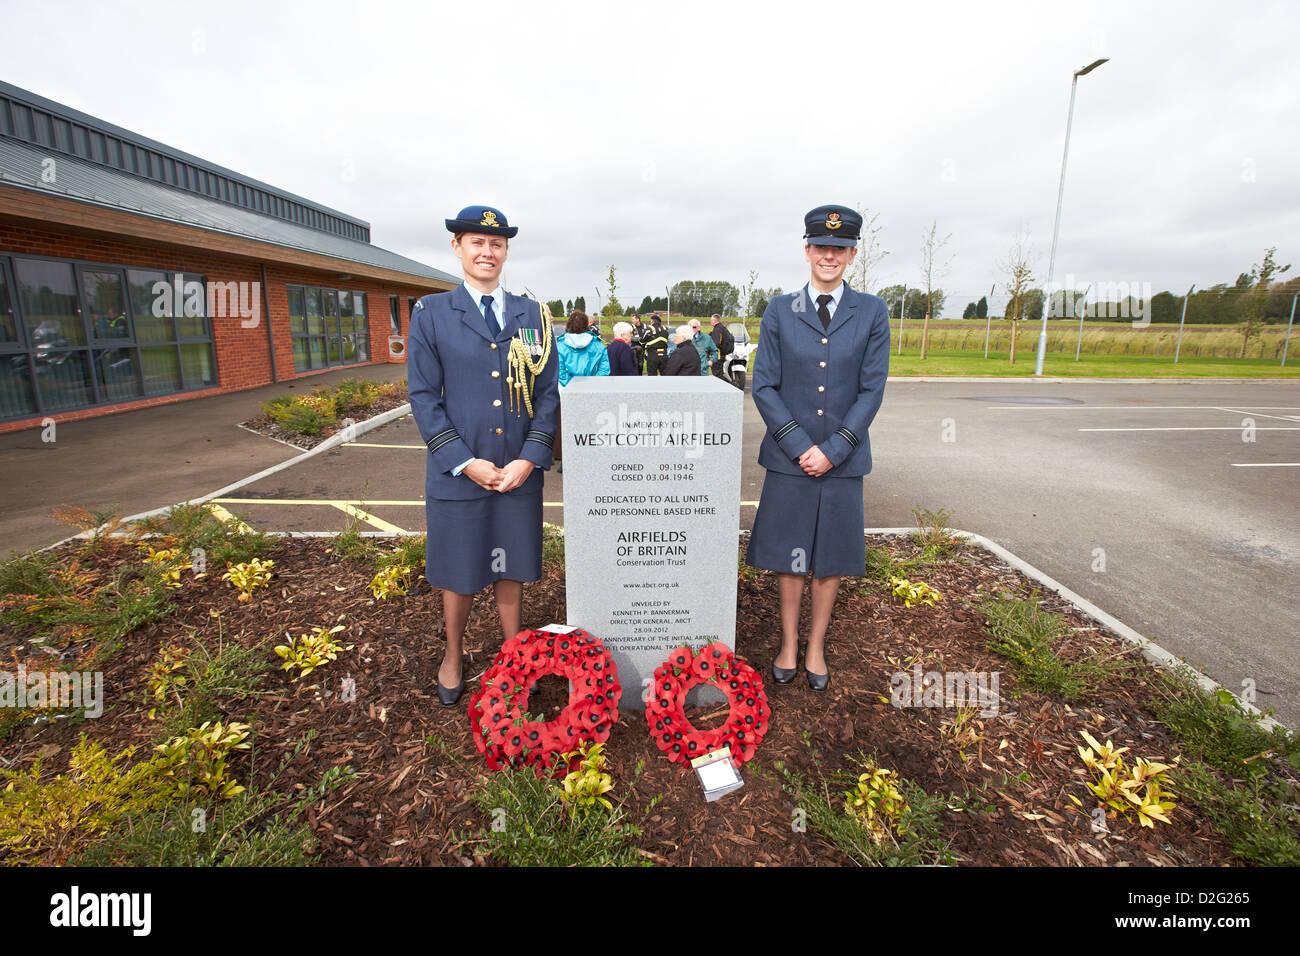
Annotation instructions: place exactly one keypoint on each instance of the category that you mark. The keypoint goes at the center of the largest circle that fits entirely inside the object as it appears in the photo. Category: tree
(580, 304)
(613, 306)
(568, 306)
(1258, 280)
(970, 311)
(647, 306)
(862, 276)
(556, 307)
(747, 294)
(706, 298)
(893, 295)
(931, 250)
(1019, 272)
(982, 308)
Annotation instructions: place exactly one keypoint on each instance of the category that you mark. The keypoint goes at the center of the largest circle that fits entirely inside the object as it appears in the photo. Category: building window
(328, 326)
(76, 334)
(395, 314)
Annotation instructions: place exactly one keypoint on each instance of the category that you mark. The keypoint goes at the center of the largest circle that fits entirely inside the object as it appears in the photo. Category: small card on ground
(718, 774)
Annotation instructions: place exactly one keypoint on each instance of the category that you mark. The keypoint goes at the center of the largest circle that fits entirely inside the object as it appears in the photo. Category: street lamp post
(1290, 323)
(901, 304)
(1060, 195)
(1179, 347)
(988, 319)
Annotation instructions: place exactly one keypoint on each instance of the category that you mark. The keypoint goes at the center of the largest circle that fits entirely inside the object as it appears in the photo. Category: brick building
(133, 274)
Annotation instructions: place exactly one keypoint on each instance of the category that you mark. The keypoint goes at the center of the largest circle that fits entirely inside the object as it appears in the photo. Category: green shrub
(1027, 635)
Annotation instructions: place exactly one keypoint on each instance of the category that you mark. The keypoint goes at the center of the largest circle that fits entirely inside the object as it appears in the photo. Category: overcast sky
(687, 140)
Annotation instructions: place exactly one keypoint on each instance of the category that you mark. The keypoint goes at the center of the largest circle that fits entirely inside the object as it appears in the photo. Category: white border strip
(360, 428)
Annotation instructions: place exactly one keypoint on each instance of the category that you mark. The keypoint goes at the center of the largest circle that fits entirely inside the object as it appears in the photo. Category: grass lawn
(1056, 364)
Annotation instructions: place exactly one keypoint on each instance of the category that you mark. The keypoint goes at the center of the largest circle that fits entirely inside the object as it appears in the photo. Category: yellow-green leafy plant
(169, 563)
(47, 821)
(311, 651)
(248, 576)
(878, 804)
(195, 762)
(167, 675)
(963, 731)
(914, 592)
(394, 579)
(1141, 790)
(584, 788)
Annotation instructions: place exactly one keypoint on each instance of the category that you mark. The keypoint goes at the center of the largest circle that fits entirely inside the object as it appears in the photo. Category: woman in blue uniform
(819, 374)
(481, 375)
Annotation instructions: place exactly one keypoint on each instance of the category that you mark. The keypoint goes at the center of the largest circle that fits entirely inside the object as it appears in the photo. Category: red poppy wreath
(715, 664)
(501, 731)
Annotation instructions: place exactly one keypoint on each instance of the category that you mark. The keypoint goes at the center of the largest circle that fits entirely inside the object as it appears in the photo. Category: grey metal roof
(22, 165)
(55, 128)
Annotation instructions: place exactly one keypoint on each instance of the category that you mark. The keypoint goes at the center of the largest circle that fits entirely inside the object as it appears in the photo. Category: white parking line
(1281, 418)
(1267, 464)
(1192, 428)
(1088, 408)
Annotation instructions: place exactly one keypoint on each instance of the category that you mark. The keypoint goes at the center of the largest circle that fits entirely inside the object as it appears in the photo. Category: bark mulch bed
(1007, 797)
(268, 426)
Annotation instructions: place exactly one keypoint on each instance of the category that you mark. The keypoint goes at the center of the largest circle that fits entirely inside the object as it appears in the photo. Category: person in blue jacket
(482, 379)
(819, 374)
(580, 349)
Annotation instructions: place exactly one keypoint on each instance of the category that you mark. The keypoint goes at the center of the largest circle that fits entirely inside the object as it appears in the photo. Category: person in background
(656, 346)
(725, 342)
(622, 360)
(580, 350)
(684, 361)
(704, 345)
(637, 342)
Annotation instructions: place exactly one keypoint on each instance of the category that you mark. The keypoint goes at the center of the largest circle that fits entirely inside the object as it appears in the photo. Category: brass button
(498, 431)
(496, 374)
(823, 364)
(824, 341)
(821, 388)
(493, 345)
(819, 411)
(496, 403)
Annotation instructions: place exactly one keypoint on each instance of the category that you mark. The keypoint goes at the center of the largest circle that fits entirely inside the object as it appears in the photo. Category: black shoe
(818, 682)
(450, 696)
(786, 675)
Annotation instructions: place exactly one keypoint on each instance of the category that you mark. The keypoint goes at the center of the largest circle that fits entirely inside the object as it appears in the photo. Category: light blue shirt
(498, 302)
(832, 305)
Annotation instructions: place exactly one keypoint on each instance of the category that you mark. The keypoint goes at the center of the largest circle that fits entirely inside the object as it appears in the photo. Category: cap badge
(490, 219)
(833, 221)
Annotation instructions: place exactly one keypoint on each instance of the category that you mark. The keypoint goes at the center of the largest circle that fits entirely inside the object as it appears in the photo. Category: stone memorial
(651, 517)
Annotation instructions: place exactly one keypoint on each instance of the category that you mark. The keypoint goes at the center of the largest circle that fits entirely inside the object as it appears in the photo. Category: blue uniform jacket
(456, 377)
(820, 387)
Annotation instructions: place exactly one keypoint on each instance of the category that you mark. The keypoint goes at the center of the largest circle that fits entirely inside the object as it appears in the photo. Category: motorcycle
(736, 363)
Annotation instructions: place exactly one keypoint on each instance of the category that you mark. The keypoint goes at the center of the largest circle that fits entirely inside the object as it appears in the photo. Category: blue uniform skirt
(808, 524)
(472, 543)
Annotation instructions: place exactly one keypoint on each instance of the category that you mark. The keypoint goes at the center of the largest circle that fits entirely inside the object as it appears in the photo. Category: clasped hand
(487, 475)
(814, 463)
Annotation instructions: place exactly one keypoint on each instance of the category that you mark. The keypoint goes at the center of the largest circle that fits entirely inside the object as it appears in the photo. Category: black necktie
(490, 316)
(823, 310)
